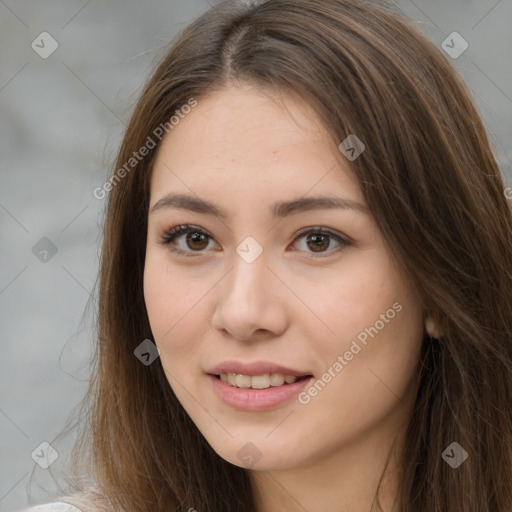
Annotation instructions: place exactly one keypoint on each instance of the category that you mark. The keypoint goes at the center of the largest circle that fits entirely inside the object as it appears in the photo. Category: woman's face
(257, 292)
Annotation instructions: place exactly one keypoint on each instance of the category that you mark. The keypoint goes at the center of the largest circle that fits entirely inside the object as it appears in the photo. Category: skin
(245, 148)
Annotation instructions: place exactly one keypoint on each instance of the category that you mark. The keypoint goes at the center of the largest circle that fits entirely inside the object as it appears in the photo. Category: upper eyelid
(188, 228)
(322, 229)
(300, 232)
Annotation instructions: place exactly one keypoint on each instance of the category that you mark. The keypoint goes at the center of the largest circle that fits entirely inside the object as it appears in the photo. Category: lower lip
(248, 399)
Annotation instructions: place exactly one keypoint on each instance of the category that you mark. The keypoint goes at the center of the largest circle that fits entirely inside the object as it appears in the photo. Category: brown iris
(320, 242)
(197, 238)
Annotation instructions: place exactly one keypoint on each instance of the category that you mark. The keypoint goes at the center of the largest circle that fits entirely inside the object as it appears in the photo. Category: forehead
(249, 142)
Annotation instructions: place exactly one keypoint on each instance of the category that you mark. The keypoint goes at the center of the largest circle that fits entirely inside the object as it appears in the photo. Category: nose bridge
(245, 301)
(247, 278)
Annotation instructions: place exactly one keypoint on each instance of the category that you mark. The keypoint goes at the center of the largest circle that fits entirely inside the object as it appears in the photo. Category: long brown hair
(434, 188)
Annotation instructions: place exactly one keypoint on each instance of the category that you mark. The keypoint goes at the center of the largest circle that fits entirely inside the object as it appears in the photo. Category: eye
(318, 239)
(196, 239)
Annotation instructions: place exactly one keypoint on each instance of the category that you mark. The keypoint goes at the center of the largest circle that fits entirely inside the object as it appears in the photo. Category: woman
(306, 277)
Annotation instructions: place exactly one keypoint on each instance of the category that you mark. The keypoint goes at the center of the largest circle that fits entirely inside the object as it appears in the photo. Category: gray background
(61, 120)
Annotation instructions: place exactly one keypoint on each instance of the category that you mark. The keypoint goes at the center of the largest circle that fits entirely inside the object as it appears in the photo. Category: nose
(250, 301)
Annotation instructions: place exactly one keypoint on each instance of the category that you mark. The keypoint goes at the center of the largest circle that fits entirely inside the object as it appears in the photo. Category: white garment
(57, 506)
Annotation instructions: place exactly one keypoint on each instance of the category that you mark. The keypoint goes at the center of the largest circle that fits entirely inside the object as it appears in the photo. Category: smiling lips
(263, 381)
(254, 400)
(257, 385)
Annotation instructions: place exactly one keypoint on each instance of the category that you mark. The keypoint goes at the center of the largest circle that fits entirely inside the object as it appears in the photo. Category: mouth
(254, 386)
(263, 381)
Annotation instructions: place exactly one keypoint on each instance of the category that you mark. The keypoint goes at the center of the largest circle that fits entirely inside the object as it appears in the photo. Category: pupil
(193, 238)
(319, 238)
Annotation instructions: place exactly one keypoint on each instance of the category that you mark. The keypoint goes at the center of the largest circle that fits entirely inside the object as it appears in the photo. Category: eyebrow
(278, 210)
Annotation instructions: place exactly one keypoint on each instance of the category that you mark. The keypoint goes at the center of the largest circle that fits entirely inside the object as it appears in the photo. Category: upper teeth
(257, 381)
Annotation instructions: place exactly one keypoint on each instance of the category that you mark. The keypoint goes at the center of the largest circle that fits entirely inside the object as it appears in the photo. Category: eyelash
(170, 235)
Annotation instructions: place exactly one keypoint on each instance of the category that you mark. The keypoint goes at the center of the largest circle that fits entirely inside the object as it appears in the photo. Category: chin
(258, 454)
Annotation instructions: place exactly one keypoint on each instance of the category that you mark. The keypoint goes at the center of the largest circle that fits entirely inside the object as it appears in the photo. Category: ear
(432, 329)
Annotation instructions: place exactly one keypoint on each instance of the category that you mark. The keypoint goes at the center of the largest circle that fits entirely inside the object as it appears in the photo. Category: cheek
(385, 367)
(372, 379)
(175, 301)
(348, 299)
(167, 298)
(375, 325)
(165, 307)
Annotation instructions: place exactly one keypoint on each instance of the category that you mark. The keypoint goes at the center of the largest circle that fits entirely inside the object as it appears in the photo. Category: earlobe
(432, 329)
